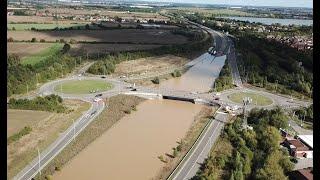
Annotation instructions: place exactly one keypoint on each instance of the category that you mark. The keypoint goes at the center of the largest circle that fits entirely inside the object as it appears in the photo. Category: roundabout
(84, 86)
(257, 99)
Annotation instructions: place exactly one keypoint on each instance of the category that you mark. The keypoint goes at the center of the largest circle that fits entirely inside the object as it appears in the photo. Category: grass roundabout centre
(83, 86)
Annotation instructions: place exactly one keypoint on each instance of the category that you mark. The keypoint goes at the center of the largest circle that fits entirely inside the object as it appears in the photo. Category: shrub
(127, 111)
(62, 40)
(48, 177)
(42, 40)
(13, 28)
(26, 130)
(33, 40)
(66, 48)
(33, 29)
(72, 41)
(57, 168)
(156, 80)
(10, 39)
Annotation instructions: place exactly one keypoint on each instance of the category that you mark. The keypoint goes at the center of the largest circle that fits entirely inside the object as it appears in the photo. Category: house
(302, 174)
(297, 148)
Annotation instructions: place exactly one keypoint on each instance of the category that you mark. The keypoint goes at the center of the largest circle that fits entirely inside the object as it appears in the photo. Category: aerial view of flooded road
(200, 77)
(130, 149)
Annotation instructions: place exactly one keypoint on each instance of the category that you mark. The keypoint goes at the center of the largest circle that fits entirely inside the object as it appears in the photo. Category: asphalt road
(47, 155)
(201, 150)
(199, 153)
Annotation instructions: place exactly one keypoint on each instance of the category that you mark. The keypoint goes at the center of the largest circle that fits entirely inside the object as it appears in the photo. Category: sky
(283, 3)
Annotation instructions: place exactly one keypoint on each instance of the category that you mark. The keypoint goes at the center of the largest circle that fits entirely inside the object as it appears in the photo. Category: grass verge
(185, 144)
(44, 132)
(117, 106)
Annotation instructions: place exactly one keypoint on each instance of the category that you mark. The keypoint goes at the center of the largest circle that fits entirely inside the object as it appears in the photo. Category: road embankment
(117, 107)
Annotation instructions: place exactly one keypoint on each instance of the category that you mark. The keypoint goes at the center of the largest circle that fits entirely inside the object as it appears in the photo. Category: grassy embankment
(172, 159)
(43, 132)
(256, 98)
(118, 107)
(43, 55)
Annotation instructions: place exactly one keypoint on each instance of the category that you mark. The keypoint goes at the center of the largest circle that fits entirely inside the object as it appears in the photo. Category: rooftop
(307, 139)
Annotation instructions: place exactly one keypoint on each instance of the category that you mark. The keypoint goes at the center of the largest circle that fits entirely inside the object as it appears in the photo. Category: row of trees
(256, 153)
(262, 61)
(51, 103)
(305, 113)
(23, 78)
(224, 81)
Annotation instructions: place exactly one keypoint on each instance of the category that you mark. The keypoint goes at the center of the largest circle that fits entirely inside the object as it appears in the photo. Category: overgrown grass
(43, 55)
(117, 105)
(26, 130)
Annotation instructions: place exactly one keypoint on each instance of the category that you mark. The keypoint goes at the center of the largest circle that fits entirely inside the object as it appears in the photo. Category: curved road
(190, 165)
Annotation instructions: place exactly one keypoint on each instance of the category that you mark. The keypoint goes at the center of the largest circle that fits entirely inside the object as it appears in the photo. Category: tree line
(224, 81)
(256, 154)
(106, 65)
(51, 103)
(23, 78)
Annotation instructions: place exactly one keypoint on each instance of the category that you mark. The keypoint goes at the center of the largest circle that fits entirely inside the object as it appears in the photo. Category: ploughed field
(149, 36)
(105, 48)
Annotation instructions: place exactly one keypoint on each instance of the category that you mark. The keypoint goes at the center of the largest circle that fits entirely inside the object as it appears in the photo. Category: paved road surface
(47, 155)
(201, 150)
(300, 130)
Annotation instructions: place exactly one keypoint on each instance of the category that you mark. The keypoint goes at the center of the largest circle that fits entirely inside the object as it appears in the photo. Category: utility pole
(245, 101)
(39, 170)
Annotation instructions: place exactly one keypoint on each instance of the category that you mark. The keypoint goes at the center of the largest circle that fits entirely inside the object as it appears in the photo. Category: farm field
(18, 119)
(26, 49)
(42, 55)
(150, 65)
(83, 86)
(38, 19)
(44, 132)
(112, 13)
(77, 49)
(21, 27)
(124, 36)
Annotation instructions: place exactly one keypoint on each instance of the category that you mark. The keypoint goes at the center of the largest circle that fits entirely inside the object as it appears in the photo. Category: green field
(43, 55)
(22, 27)
(83, 86)
(256, 99)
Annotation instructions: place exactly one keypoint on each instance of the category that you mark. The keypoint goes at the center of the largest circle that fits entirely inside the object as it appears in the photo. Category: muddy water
(129, 149)
(200, 77)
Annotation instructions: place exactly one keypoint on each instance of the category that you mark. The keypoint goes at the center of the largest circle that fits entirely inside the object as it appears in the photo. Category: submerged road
(196, 156)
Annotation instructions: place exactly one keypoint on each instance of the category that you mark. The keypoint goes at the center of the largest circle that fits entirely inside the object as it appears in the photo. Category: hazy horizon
(279, 3)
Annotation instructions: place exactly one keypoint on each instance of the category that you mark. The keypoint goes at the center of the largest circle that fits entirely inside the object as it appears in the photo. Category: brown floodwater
(200, 77)
(130, 149)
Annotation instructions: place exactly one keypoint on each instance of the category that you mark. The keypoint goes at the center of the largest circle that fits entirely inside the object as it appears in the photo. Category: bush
(66, 48)
(156, 80)
(176, 73)
(42, 40)
(127, 111)
(62, 40)
(10, 39)
(13, 28)
(72, 41)
(48, 177)
(33, 29)
(33, 40)
(26, 130)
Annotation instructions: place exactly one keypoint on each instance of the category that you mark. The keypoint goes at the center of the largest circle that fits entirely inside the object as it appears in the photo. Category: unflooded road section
(200, 77)
(130, 149)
